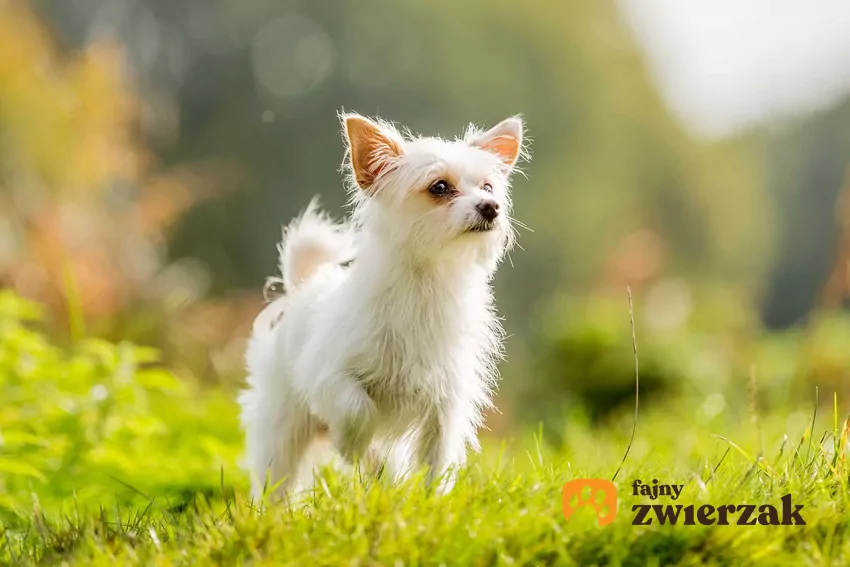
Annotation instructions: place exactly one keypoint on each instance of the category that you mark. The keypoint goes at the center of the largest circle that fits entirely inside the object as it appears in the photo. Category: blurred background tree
(155, 148)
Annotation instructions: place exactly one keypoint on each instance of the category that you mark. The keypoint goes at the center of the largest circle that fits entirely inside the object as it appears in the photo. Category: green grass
(106, 460)
(508, 514)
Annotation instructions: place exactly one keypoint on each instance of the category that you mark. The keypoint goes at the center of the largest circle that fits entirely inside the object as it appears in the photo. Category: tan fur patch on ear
(506, 147)
(372, 150)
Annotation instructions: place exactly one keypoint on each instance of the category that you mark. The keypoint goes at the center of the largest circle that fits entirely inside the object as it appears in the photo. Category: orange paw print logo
(600, 494)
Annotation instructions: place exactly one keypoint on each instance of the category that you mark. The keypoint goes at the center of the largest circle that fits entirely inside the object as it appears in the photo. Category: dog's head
(431, 195)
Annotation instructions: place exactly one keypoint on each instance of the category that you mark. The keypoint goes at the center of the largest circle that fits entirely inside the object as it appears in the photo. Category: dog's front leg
(442, 446)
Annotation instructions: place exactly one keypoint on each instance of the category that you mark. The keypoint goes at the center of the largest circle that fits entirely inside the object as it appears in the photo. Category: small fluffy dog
(386, 338)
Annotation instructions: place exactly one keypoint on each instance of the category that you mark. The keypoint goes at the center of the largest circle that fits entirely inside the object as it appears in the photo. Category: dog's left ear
(504, 140)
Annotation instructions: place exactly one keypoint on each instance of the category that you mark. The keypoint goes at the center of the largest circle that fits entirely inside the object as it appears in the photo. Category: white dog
(386, 336)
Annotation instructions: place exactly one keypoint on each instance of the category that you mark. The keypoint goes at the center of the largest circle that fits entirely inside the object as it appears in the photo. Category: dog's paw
(442, 482)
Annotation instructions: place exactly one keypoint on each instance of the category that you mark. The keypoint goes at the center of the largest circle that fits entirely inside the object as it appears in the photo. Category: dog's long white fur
(393, 355)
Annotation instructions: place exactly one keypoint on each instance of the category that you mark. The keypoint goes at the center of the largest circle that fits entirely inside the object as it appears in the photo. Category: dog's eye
(439, 188)
(487, 187)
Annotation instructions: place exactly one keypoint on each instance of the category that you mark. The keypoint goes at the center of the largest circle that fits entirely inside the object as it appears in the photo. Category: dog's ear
(504, 139)
(373, 149)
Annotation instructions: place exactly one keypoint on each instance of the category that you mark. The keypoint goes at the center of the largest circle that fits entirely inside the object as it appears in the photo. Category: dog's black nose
(488, 209)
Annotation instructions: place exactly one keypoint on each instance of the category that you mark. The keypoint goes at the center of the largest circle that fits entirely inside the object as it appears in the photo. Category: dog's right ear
(373, 149)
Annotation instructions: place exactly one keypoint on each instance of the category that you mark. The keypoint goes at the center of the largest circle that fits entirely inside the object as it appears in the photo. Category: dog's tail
(310, 241)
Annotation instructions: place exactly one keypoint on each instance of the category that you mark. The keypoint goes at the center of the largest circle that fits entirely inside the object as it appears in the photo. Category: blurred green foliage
(101, 424)
(714, 354)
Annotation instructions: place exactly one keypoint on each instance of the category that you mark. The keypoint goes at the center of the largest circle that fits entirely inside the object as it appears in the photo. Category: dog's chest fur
(411, 359)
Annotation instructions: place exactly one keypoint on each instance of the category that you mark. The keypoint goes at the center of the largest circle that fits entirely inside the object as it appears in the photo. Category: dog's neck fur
(406, 272)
